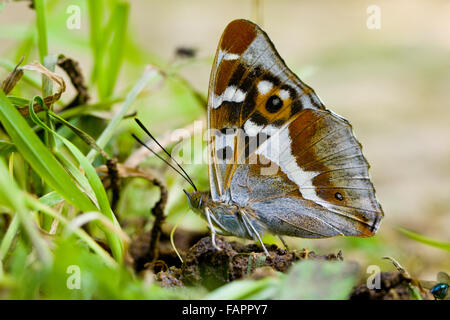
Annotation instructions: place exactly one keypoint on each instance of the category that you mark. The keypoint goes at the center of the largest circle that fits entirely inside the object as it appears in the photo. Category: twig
(113, 173)
(73, 70)
(49, 100)
(25, 111)
(158, 210)
(11, 80)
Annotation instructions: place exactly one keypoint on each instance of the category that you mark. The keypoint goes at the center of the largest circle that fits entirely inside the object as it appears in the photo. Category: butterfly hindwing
(319, 154)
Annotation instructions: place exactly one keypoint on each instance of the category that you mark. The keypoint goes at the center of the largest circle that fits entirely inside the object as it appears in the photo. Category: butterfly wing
(318, 153)
(443, 277)
(247, 71)
(277, 151)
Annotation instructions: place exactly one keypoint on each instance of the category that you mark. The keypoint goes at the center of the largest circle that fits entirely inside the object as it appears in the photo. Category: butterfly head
(196, 200)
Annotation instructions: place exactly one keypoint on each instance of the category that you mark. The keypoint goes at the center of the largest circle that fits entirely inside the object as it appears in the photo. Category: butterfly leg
(247, 222)
(211, 227)
(284, 243)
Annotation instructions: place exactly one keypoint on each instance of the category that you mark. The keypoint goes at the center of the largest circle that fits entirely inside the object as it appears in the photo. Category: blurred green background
(391, 83)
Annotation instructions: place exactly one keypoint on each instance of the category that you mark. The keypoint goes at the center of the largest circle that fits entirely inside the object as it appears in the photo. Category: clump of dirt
(393, 286)
(170, 277)
(139, 252)
(205, 265)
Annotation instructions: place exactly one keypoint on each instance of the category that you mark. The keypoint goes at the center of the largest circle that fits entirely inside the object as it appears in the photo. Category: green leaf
(94, 181)
(51, 199)
(425, 240)
(318, 280)
(41, 23)
(40, 205)
(148, 74)
(18, 101)
(12, 197)
(96, 10)
(306, 279)
(241, 289)
(39, 157)
(114, 54)
(6, 148)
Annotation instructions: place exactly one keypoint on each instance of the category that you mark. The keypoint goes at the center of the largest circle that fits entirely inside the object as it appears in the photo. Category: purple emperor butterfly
(279, 161)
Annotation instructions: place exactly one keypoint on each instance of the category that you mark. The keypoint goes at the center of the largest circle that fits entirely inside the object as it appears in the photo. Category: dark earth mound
(211, 268)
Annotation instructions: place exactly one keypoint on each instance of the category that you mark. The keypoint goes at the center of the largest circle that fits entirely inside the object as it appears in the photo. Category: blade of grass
(425, 240)
(150, 72)
(241, 289)
(39, 157)
(95, 19)
(13, 226)
(114, 57)
(6, 147)
(47, 83)
(9, 237)
(77, 175)
(12, 197)
(38, 205)
(50, 199)
(47, 90)
(41, 24)
(94, 181)
(80, 133)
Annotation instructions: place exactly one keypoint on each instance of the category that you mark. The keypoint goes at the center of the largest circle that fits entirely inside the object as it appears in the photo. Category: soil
(394, 286)
(211, 268)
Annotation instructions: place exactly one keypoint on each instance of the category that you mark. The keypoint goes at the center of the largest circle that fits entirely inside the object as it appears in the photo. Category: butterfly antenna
(165, 161)
(183, 173)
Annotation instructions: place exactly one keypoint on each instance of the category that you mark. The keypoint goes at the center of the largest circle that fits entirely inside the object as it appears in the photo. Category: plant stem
(41, 23)
(149, 73)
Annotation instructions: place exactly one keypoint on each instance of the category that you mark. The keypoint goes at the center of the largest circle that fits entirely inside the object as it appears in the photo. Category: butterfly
(279, 161)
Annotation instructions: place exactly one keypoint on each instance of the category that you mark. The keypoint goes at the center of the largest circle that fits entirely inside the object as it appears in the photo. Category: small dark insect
(439, 288)
(185, 52)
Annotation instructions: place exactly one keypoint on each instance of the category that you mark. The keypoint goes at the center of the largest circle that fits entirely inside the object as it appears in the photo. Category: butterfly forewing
(277, 151)
(251, 93)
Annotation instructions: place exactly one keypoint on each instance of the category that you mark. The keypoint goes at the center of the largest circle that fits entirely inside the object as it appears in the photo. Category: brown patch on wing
(238, 35)
(224, 74)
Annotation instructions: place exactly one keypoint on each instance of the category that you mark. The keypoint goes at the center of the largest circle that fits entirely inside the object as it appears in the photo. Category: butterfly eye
(274, 104)
(338, 196)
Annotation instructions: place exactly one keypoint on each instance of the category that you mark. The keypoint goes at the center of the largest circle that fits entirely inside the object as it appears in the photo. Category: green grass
(64, 187)
(55, 211)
